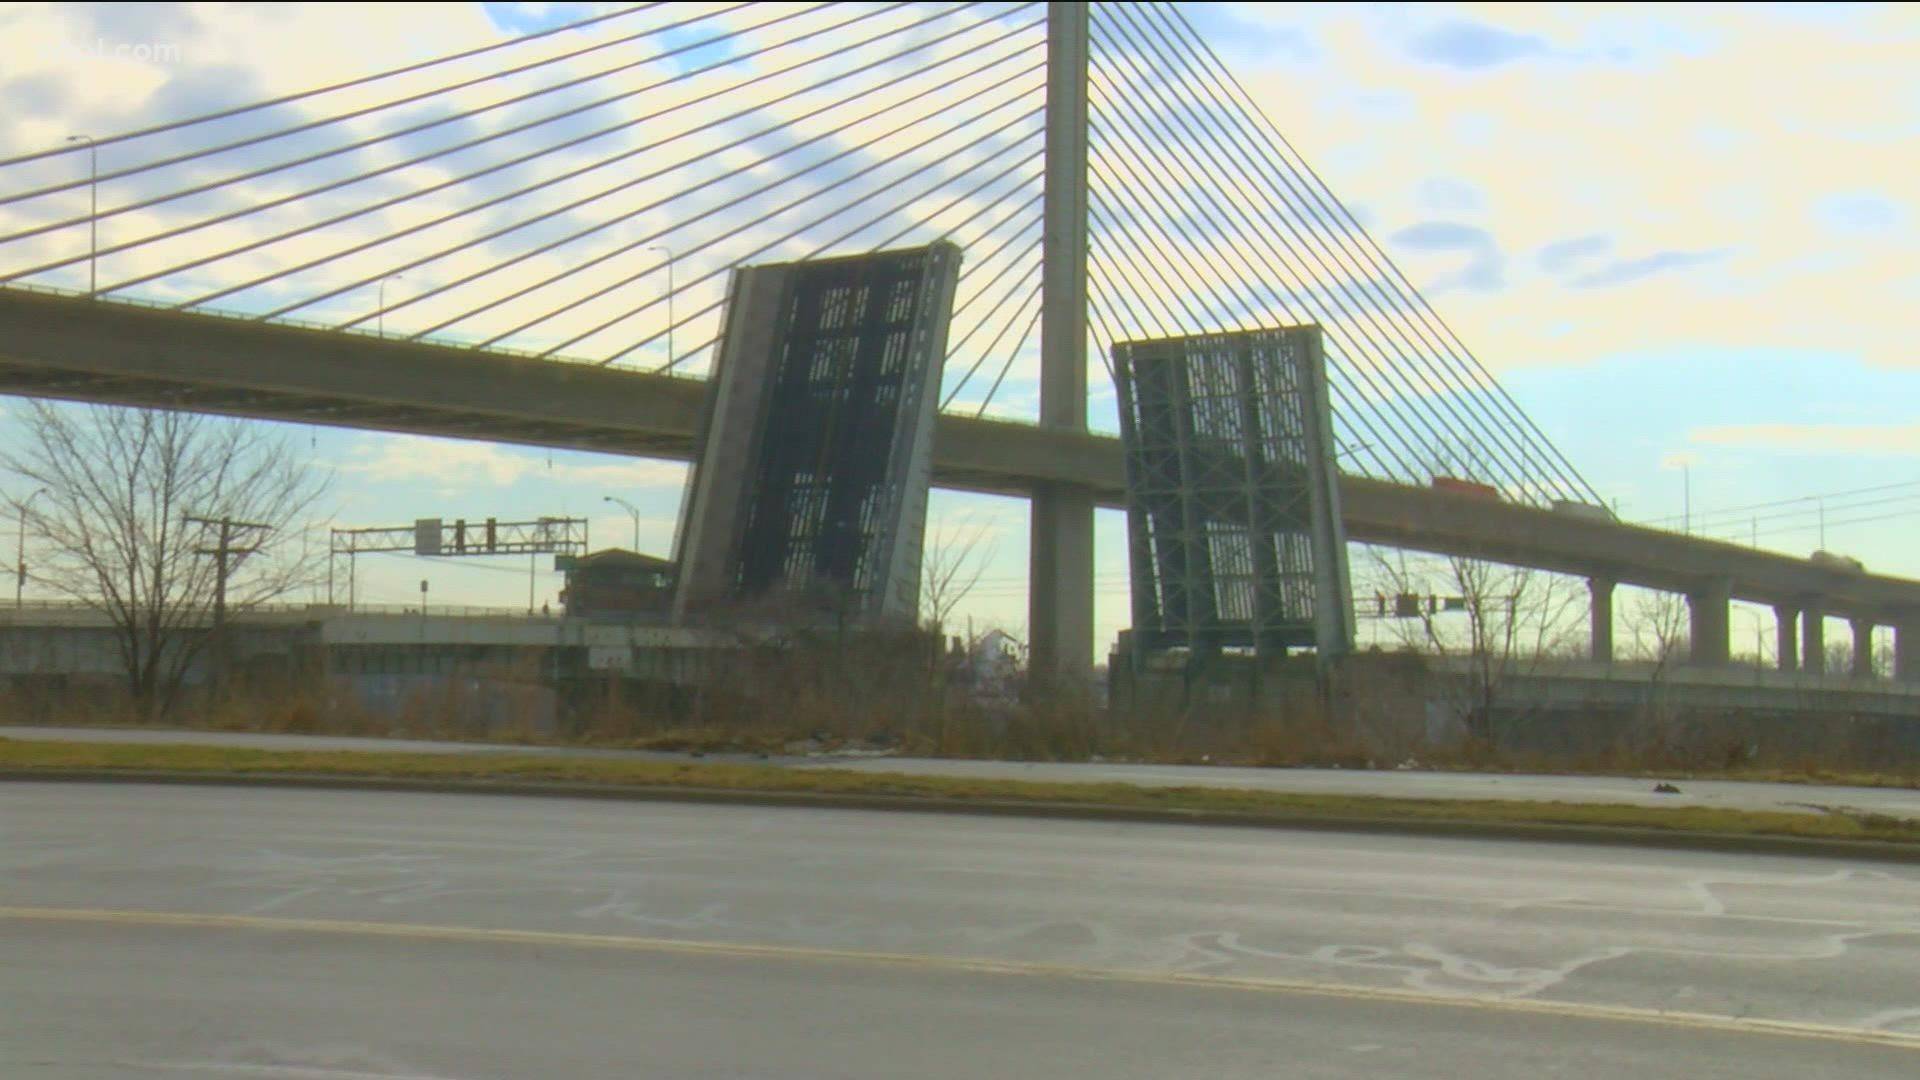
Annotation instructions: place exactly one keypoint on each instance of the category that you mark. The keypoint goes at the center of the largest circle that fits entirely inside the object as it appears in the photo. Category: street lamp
(1686, 498)
(383, 301)
(632, 510)
(93, 212)
(20, 557)
(669, 252)
(1683, 462)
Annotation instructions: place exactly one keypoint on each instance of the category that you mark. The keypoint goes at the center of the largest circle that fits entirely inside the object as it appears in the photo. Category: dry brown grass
(29, 758)
(830, 694)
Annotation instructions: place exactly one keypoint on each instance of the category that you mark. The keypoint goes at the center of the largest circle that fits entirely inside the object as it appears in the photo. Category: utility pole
(225, 554)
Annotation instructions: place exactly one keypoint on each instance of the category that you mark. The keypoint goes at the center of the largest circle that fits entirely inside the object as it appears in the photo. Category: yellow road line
(481, 935)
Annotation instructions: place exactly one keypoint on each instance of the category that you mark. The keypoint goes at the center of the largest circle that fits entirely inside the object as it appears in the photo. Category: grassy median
(26, 758)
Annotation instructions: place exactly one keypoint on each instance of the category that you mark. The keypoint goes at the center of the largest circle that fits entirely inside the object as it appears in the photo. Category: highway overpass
(59, 345)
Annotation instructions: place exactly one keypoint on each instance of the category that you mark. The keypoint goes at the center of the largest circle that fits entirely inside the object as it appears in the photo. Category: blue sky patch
(1563, 255)
(1474, 46)
(533, 18)
(1859, 212)
(1624, 271)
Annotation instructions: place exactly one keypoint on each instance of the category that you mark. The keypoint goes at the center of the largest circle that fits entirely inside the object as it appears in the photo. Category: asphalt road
(1411, 784)
(168, 931)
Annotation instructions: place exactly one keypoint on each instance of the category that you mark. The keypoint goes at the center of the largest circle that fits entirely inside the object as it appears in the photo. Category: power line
(1748, 509)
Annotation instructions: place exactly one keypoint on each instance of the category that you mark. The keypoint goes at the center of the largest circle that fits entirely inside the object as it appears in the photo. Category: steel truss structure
(813, 468)
(1233, 511)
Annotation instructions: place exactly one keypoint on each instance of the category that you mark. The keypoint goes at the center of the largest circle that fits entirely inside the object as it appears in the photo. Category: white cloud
(459, 464)
(1694, 130)
(1885, 440)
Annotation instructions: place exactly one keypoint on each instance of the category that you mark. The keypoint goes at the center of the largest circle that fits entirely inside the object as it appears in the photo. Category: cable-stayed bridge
(530, 242)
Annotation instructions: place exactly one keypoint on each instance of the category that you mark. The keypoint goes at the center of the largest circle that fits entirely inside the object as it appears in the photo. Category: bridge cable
(1018, 287)
(1235, 93)
(759, 163)
(413, 193)
(1473, 400)
(1031, 252)
(176, 125)
(1013, 319)
(1338, 293)
(781, 181)
(1004, 368)
(952, 129)
(496, 200)
(1110, 187)
(1338, 376)
(989, 181)
(871, 223)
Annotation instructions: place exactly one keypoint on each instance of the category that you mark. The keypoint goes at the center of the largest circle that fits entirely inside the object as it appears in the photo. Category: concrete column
(1906, 648)
(1862, 648)
(1060, 563)
(1060, 585)
(1600, 618)
(1708, 623)
(1813, 640)
(1786, 636)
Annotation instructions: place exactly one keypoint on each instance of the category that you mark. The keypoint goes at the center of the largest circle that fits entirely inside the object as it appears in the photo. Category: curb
(1544, 832)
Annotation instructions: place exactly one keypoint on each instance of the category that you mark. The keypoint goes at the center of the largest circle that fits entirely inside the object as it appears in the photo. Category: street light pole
(93, 212)
(1686, 498)
(383, 301)
(634, 511)
(669, 252)
(20, 556)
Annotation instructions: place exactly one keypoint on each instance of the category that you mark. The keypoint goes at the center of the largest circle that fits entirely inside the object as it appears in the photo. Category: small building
(990, 668)
(618, 584)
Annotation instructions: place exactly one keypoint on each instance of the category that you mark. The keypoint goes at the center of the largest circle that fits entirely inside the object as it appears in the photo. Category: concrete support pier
(1786, 637)
(1862, 648)
(1813, 641)
(1600, 617)
(1708, 623)
(1906, 648)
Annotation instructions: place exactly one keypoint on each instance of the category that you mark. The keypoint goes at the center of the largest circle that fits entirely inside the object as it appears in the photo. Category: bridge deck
(66, 347)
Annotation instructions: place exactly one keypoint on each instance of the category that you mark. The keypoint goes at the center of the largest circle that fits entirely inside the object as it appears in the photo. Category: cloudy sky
(1681, 237)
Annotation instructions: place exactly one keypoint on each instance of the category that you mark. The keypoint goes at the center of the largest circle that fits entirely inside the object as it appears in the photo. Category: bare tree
(1497, 622)
(1657, 630)
(1657, 626)
(113, 528)
(950, 568)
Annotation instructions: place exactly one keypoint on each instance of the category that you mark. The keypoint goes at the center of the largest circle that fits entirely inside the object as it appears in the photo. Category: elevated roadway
(62, 346)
